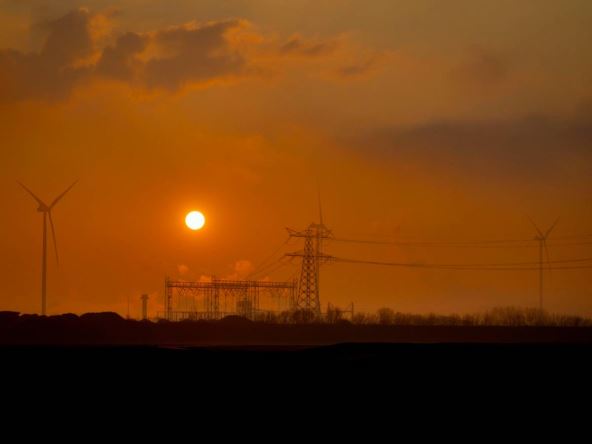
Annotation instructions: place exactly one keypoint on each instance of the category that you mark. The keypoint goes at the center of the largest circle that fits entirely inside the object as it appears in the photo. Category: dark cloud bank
(166, 59)
(540, 147)
(69, 56)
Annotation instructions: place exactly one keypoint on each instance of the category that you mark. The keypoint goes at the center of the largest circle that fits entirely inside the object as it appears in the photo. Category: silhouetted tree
(303, 316)
(334, 314)
(386, 316)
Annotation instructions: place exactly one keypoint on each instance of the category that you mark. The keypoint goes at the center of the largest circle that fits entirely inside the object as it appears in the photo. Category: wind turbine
(46, 210)
(542, 240)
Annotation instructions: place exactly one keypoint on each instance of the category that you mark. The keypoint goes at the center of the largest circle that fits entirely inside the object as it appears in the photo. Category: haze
(418, 120)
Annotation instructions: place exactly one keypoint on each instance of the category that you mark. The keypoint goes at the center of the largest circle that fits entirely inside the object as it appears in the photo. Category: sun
(195, 220)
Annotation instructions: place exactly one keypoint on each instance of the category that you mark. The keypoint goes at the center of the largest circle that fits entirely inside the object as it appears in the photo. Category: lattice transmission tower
(307, 297)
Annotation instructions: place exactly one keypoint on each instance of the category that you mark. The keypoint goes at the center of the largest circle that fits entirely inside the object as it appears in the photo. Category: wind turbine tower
(542, 240)
(46, 210)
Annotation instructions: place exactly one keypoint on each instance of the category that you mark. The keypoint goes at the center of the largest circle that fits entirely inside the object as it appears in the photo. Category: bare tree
(386, 316)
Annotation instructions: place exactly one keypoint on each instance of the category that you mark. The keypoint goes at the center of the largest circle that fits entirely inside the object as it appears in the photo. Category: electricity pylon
(308, 299)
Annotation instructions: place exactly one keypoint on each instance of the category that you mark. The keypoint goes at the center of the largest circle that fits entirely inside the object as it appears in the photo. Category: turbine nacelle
(542, 237)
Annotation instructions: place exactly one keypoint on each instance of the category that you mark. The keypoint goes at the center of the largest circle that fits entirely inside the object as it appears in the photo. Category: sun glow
(195, 220)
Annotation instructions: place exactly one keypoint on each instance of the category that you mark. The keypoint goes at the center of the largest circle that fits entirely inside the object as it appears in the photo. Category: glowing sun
(195, 220)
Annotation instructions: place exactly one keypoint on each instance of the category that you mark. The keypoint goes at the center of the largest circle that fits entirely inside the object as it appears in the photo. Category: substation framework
(220, 297)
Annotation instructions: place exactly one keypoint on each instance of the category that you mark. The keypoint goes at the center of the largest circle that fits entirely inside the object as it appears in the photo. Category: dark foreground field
(109, 329)
(100, 347)
(285, 370)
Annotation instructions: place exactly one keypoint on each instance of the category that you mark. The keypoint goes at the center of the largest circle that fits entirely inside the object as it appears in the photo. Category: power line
(574, 236)
(272, 266)
(561, 244)
(508, 244)
(263, 263)
(525, 266)
(459, 242)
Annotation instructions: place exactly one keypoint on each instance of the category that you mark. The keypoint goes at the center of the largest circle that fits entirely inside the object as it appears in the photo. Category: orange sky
(418, 122)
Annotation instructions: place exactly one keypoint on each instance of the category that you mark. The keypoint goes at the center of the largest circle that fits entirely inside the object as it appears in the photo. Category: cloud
(482, 68)
(193, 54)
(52, 72)
(242, 268)
(520, 148)
(120, 61)
(69, 38)
(165, 59)
(175, 57)
(298, 46)
(360, 68)
(80, 47)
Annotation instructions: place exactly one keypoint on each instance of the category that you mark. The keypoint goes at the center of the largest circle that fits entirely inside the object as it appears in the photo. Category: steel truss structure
(218, 298)
(308, 298)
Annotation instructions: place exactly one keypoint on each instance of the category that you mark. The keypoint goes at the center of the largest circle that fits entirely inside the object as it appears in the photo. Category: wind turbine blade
(535, 226)
(39, 201)
(57, 199)
(53, 237)
(551, 229)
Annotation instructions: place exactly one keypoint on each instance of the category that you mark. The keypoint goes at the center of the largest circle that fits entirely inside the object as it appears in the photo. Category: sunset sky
(419, 120)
